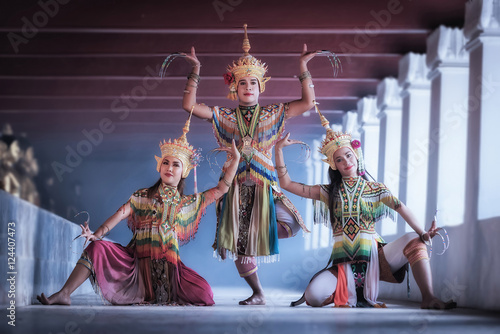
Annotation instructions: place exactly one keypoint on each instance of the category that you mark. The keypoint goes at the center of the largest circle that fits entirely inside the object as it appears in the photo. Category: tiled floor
(88, 315)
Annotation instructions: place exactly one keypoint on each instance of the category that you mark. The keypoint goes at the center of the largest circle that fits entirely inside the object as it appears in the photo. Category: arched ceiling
(69, 64)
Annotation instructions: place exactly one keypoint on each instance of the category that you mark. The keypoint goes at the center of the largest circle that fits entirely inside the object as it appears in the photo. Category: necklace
(169, 194)
(350, 192)
(247, 132)
(171, 198)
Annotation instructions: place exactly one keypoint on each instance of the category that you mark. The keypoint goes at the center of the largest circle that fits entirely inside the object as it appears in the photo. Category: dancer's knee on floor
(315, 298)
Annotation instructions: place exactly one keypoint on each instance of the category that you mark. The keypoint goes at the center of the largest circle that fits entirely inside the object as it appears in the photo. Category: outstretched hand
(191, 57)
(433, 230)
(286, 141)
(232, 152)
(431, 233)
(308, 55)
(86, 233)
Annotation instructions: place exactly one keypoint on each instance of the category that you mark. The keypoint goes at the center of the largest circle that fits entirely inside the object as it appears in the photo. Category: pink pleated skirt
(123, 279)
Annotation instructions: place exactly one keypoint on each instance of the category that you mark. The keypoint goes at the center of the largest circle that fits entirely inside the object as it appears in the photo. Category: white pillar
(482, 28)
(389, 115)
(350, 124)
(369, 130)
(389, 105)
(448, 62)
(336, 127)
(415, 134)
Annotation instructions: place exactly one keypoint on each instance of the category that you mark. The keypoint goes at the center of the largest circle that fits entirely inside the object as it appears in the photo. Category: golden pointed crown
(336, 140)
(180, 149)
(247, 65)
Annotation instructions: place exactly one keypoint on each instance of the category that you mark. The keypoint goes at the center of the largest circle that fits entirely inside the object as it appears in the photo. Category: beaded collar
(350, 182)
(247, 111)
(350, 192)
(169, 194)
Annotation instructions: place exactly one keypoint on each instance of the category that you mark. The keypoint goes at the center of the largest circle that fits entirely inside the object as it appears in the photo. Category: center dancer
(254, 213)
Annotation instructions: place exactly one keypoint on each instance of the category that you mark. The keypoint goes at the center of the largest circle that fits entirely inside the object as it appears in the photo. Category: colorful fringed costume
(352, 206)
(149, 269)
(357, 255)
(247, 223)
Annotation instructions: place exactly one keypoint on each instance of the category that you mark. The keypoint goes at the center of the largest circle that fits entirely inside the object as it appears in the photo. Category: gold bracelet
(226, 183)
(196, 78)
(104, 234)
(304, 75)
(280, 176)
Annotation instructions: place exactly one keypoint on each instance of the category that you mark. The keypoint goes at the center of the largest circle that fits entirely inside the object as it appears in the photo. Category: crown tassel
(185, 129)
(324, 122)
(246, 42)
(232, 95)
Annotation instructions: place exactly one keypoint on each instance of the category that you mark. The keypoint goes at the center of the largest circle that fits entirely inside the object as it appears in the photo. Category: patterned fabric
(247, 195)
(360, 205)
(270, 127)
(161, 272)
(238, 230)
(359, 272)
(247, 113)
(159, 223)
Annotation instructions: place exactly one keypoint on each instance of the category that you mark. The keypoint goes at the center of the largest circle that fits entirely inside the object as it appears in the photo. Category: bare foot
(255, 299)
(437, 304)
(56, 299)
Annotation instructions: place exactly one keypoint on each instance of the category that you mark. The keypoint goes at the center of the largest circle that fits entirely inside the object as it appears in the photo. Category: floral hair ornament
(336, 140)
(180, 149)
(246, 66)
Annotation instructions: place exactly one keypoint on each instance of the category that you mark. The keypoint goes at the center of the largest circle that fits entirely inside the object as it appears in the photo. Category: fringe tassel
(260, 259)
(321, 213)
(232, 96)
(375, 209)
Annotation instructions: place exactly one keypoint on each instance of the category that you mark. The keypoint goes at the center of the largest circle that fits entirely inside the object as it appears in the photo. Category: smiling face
(248, 90)
(346, 162)
(171, 171)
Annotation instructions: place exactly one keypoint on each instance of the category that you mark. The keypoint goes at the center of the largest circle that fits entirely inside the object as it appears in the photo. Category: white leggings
(324, 285)
(284, 215)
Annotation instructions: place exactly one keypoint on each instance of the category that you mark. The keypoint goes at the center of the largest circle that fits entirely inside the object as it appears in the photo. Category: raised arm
(285, 181)
(122, 213)
(189, 97)
(298, 107)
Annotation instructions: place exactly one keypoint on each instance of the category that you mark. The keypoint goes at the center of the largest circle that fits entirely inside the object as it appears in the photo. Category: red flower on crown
(356, 144)
(228, 78)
